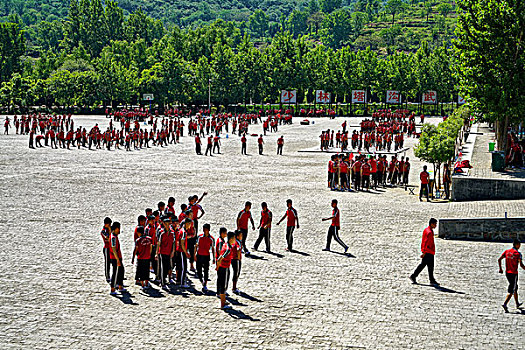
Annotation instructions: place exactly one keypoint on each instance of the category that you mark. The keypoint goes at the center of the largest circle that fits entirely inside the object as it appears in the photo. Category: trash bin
(498, 161)
(491, 146)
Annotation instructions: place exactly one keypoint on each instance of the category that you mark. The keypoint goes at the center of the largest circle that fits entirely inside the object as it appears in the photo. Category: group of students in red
(167, 242)
(347, 172)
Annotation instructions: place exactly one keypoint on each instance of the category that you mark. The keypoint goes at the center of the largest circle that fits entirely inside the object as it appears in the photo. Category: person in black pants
(202, 255)
(428, 250)
(265, 227)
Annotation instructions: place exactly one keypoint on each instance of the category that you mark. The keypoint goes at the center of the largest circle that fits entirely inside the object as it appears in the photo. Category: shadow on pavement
(299, 252)
(249, 297)
(348, 255)
(239, 315)
(234, 301)
(255, 257)
(442, 289)
(274, 254)
(126, 298)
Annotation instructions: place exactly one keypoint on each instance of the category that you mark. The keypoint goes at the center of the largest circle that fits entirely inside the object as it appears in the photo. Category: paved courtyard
(53, 294)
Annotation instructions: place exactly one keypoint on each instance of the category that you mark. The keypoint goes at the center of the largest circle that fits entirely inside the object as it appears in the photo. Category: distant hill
(384, 25)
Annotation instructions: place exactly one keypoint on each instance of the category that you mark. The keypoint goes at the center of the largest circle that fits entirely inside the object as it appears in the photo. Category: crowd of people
(384, 130)
(171, 246)
(347, 172)
(140, 129)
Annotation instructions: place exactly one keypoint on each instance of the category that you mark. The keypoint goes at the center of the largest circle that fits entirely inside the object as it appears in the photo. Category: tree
(489, 52)
(394, 7)
(296, 23)
(328, 6)
(444, 8)
(337, 28)
(258, 23)
(12, 47)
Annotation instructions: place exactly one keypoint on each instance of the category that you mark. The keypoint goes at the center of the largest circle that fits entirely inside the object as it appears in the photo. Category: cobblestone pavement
(53, 293)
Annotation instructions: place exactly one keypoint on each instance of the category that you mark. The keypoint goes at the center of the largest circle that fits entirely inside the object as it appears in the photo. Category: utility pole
(209, 97)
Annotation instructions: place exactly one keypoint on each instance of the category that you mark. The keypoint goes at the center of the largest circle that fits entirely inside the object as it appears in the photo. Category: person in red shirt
(181, 253)
(143, 252)
(209, 146)
(357, 173)
(244, 216)
(428, 250)
(105, 233)
(293, 219)
(424, 176)
(280, 143)
(343, 174)
(366, 169)
(205, 242)
(236, 260)
(513, 259)
(198, 145)
(261, 143)
(223, 269)
(117, 276)
(165, 250)
(265, 227)
(243, 144)
(333, 231)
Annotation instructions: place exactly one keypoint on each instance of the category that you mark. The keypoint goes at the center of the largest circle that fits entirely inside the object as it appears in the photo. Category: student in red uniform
(142, 252)
(265, 226)
(333, 231)
(236, 260)
(151, 232)
(292, 222)
(105, 233)
(280, 143)
(205, 242)
(261, 143)
(181, 253)
(117, 276)
(223, 269)
(366, 170)
(424, 176)
(428, 250)
(165, 250)
(513, 259)
(243, 144)
(244, 216)
(223, 233)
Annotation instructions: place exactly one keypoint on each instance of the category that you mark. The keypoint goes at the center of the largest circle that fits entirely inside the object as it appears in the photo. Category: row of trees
(177, 69)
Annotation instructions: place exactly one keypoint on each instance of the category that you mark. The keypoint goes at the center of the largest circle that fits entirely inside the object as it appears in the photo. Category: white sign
(461, 100)
(322, 96)
(429, 97)
(288, 96)
(147, 97)
(358, 96)
(393, 96)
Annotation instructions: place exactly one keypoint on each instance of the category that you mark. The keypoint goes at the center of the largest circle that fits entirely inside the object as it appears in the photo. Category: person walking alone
(428, 250)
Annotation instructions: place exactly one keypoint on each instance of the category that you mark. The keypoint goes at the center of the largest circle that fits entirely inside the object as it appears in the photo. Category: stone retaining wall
(475, 189)
(483, 229)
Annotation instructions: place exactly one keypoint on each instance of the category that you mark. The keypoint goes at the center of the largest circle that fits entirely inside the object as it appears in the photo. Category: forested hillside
(101, 53)
(383, 25)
